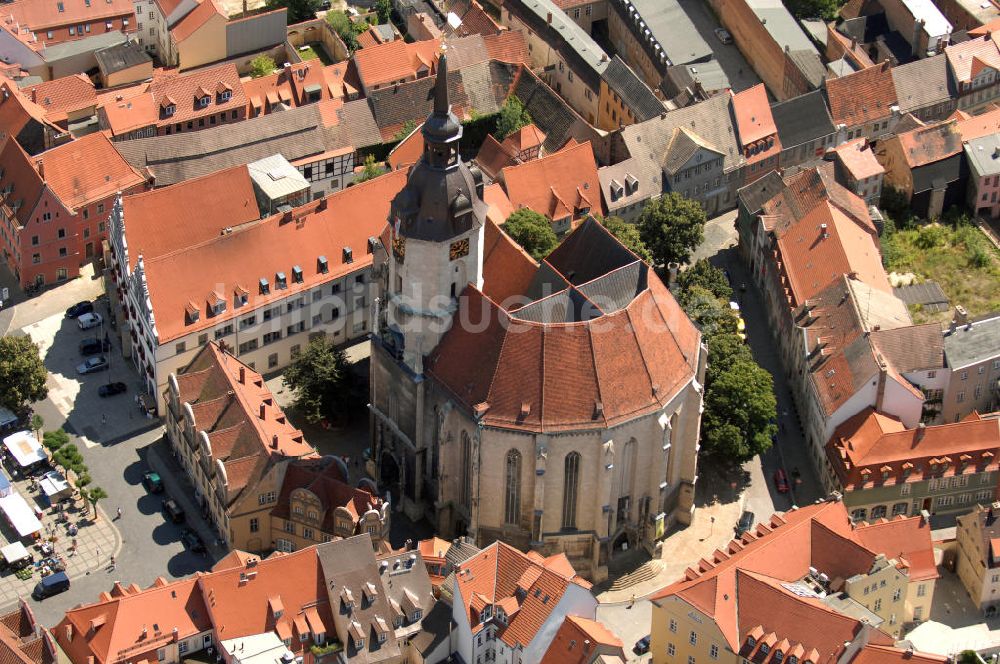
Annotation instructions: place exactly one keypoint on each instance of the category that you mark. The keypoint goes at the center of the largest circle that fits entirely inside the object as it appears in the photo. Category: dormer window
(280, 281)
(204, 101)
(764, 649)
(297, 274)
(751, 641)
(225, 95)
(265, 288)
(322, 265)
(397, 622)
(792, 659)
(778, 656)
(348, 255)
(169, 109)
(218, 308)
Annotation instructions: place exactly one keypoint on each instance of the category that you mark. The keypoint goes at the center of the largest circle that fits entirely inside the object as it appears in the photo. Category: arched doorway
(620, 543)
(388, 472)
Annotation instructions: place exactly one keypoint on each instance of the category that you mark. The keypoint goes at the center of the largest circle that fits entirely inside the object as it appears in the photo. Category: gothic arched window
(512, 488)
(466, 469)
(571, 481)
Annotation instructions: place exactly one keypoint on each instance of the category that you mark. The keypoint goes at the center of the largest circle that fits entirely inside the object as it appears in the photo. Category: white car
(88, 321)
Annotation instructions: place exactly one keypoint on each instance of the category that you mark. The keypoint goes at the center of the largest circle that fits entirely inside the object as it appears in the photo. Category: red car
(780, 481)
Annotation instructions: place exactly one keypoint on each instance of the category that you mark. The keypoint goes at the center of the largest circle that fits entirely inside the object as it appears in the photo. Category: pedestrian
(631, 601)
(104, 418)
(118, 514)
(111, 565)
(98, 553)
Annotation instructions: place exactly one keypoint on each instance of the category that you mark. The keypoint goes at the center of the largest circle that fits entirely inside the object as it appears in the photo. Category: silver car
(92, 365)
(88, 321)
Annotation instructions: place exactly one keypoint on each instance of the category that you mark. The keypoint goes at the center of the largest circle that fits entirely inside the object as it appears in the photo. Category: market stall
(15, 555)
(55, 486)
(20, 516)
(5, 486)
(25, 449)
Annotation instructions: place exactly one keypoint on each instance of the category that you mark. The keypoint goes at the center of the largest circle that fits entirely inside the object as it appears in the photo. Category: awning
(20, 515)
(14, 552)
(5, 488)
(25, 449)
(55, 486)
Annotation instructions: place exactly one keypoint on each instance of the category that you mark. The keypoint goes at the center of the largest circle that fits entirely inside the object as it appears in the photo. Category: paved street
(740, 74)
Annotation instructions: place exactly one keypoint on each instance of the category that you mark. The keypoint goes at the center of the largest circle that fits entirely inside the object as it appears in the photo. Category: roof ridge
(593, 364)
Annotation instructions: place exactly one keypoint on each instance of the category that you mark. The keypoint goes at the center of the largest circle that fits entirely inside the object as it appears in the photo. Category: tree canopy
(262, 65)
(513, 115)
(325, 387)
(22, 372)
(672, 226)
(710, 313)
(532, 231)
(628, 234)
(298, 10)
(812, 9)
(706, 275)
(384, 10)
(371, 169)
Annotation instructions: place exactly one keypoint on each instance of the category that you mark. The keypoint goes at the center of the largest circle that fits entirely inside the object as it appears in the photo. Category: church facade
(556, 405)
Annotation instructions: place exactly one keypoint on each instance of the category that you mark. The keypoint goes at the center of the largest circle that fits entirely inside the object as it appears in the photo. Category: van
(52, 584)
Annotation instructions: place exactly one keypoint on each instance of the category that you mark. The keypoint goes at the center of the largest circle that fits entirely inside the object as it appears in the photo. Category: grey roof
(90, 44)
(974, 343)
(754, 195)
(937, 174)
(588, 253)
(809, 63)
(802, 119)
(928, 295)
(635, 94)
(561, 33)
(671, 30)
(551, 113)
(922, 83)
(121, 56)
(911, 348)
(780, 24)
(841, 67)
(435, 629)
(710, 75)
(616, 289)
(983, 155)
(294, 134)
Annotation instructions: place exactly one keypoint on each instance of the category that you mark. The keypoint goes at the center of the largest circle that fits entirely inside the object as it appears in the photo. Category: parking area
(741, 75)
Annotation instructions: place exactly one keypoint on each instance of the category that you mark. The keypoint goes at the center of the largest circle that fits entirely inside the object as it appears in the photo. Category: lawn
(961, 260)
(313, 51)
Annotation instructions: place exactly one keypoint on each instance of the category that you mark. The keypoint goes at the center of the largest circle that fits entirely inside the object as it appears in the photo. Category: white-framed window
(922, 590)
(673, 625)
(904, 489)
(671, 650)
(713, 651)
(693, 638)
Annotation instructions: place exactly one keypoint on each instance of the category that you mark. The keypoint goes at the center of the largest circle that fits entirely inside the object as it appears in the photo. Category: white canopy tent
(25, 449)
(20, 515)
(14, 552)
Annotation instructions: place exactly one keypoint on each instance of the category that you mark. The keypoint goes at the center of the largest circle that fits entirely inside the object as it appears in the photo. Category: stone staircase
(649, 570)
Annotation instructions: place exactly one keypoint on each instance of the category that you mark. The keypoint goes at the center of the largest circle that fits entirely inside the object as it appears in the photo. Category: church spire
(442, 106)
(442, 130)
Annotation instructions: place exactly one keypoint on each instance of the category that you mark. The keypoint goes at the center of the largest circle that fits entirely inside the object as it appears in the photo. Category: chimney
(262, 411)
(961, 315)
(243, 375)
(40, 167)
(921, 430)
(274, 442)
(548, 19)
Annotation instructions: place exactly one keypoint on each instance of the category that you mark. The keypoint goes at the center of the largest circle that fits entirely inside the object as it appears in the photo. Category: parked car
(745, 523)
(780, 481)
(172, 510)
(53, 584)
(93, 365)
(88, 321)
(152, 482)
(191, 541)
(724, 35)
(93, 345)
(641, 646)
(79, 309)
(111, 389)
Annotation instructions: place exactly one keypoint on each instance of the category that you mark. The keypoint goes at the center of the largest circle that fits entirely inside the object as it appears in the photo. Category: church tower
(437, 236)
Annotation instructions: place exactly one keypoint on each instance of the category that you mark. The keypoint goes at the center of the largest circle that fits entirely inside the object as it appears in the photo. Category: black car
(173, 511)
(745, 523)
(79, 309)
(191, 541)
(111, 389)
(641, 646)
(93, 346)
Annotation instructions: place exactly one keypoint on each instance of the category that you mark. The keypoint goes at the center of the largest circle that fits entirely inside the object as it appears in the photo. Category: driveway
(740, 74)
(629, 622)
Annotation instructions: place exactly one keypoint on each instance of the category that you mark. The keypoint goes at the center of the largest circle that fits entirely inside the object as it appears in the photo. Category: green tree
(345, 29)
(724, 350)
(325, 386)
(298, 10)
(710, 313)
(404, 131)
(370, 170)
(68, 457)
(627, 234)
(37, 423)
(672, 226)
(262, 65)
(94, 496)
(739, 410)
(22, 372)
(53, 440)
(384, 10)
(806, 9)
(532, 231)
(513, 116)
(969, 657)
(704, 274)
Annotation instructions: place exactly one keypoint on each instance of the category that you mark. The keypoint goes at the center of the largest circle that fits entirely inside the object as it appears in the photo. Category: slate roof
(983, 154)
(550, 112)
(754, 195)
(635, 94)
(669, 27)
(973, 343)
(923, 83)
(120, 57)
(932, 175)
(802, 119)
(911, 348)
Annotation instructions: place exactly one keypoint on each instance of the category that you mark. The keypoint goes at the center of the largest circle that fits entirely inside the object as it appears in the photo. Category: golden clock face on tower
(459, 248)
(399, 248)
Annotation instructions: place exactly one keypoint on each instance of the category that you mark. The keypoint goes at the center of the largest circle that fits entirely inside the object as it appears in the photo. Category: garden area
(955, 254)
(313, 51)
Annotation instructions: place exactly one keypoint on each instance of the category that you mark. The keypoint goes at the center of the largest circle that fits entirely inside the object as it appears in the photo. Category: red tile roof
(395, 61)
(871, 444)
(17, 110)
(926, 145)
(858, 159)
(862, 97)
(476, 21)
(557, 185)
(507, 268)
(754, 572)
(508, 46)
(40, 15)
(878, 654)
(22, 180)
(493, 575)
(408, 151)
(966, 59)
(198, 17)
(976, 126)
(288, 86)
(87, 170)
(494, 156)
(208, 205)
(325, 481)
(903, 539)
(194, 271)
(753, 115)
(61, 96)
(578, 639)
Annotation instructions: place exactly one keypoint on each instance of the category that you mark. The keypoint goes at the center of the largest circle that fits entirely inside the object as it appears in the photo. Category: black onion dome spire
(443, 197)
